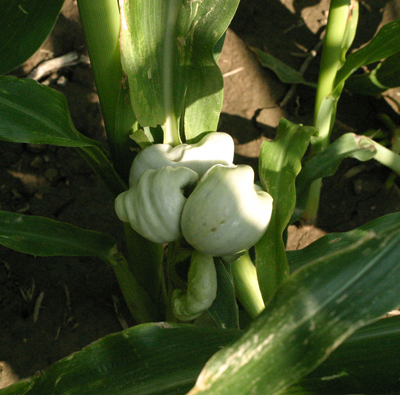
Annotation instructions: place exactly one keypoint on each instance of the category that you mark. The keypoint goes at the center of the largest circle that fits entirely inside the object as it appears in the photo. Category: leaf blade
(196, 87)
(146, 359)
(24, 26)
(311, 314)
(285, 73)
(383, 45)
(279, 166)
(348, 356)
(224, 309)
(35, 114)
(45, 237)
(364, 363)
(326, 163)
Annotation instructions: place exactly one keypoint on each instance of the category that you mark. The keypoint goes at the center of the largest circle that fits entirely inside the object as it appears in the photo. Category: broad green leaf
(386, 43)
(45, 237)
(285, 73)
(101, 25)
(312, 313)
(24, 27)
(366, 363)
(326, 163)
(36, 114)
(224, 310)
(167, 54)
(155, 359)
(280, 162)
(143, 360)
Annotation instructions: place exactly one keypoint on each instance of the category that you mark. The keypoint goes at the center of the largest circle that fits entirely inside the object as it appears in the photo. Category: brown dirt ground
(78, 305)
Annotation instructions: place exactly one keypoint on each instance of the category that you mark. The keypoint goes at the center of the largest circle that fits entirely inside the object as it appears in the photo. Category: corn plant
(310, 320)
(334, 71)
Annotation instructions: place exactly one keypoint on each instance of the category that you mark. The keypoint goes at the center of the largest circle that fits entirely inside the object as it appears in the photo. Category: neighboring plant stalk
(101, 24)
(139, 303)
(340, 32)
(171, 129)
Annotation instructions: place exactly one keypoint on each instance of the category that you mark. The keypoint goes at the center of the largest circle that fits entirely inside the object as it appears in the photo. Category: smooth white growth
(226, 213)
(153, 206)
(214, 148)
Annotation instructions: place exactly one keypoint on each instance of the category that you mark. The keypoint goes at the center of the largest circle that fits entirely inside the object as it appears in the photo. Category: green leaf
(24, 27)
(383, 77)
(224, 310)
(101, 25)
(45, 237)
(280, 162)
(33, 113)
(386, 43)
(133, 362)
(388, 71)
(369, 357)
(142, 138)
(326, 163)
(119, 137)
(145, 260)
(313, 312)
(143, 360)
(366, 363)
(285, 73)
(167, 54)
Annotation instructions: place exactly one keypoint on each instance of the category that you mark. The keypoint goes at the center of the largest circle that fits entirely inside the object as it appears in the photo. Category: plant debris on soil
(51, 307)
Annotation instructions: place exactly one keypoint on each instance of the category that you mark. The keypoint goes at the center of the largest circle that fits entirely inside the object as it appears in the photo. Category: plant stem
(386, 157)
(247, 289)
(139, 303)
(331, 59)
(101, 23)
(311, 211)
(340, 32)
(171, 129)
(145, 262)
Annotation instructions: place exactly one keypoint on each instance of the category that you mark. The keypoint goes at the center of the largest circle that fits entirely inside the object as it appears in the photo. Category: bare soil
(79, 294)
